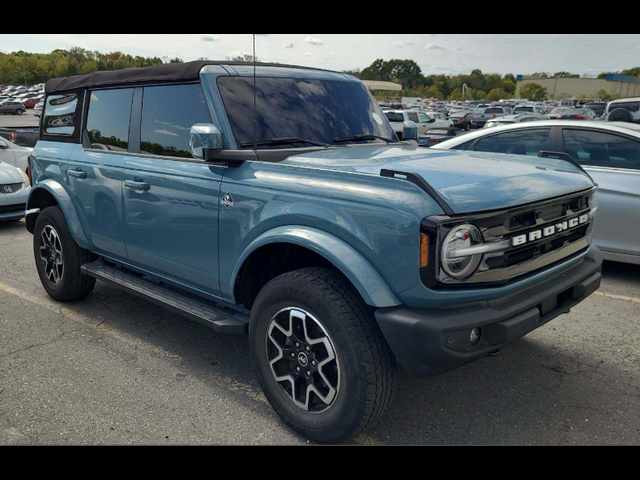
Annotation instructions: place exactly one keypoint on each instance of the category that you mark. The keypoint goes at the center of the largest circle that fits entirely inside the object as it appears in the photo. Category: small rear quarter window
(60, 115)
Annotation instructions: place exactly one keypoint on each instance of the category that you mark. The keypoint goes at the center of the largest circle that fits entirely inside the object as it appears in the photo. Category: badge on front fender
(227, 201)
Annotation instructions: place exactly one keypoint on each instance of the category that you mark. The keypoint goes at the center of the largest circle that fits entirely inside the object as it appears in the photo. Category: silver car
(14, 193)
(609, 152)
(13, 154)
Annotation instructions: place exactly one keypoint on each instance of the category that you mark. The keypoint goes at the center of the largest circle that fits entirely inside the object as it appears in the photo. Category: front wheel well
(270, 262)
(40, 200)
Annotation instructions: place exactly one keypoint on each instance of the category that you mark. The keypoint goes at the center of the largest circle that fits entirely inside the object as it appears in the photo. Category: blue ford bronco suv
(277, 200)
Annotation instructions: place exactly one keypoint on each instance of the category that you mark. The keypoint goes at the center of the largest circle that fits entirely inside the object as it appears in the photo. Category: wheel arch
(325, 248)
(50, 193)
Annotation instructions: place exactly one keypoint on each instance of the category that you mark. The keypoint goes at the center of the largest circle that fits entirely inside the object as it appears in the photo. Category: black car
(597, 108)
(462, 120)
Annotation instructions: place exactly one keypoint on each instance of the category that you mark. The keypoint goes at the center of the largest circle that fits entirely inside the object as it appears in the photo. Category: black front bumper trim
(430, 342)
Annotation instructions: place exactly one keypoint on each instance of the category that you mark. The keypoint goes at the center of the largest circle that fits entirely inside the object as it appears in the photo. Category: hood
(9, 174)
(468, 181)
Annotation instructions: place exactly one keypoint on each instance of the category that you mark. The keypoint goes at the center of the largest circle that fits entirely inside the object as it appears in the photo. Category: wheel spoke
(303, 360)
(52, 255)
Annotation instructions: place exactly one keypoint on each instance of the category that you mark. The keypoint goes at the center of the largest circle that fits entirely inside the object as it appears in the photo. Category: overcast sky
(448, 53)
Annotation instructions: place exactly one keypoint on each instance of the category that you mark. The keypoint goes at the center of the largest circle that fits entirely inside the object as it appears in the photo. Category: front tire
(19, 112)
(320, 357)
(59, 258)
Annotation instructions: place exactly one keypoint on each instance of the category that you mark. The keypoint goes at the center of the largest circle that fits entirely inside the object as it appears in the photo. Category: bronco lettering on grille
(550, 231)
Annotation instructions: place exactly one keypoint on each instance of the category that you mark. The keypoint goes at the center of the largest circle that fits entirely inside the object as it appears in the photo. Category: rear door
(95, 171)
(613, 160)
(171, 200)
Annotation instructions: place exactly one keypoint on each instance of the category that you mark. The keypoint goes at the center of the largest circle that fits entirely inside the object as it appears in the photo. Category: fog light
(476, 333)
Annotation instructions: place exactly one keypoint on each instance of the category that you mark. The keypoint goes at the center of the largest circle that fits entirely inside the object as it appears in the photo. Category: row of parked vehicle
(338, 248)
(17, 100)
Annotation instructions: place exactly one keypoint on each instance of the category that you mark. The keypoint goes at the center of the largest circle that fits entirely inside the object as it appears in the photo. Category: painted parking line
(618, 297)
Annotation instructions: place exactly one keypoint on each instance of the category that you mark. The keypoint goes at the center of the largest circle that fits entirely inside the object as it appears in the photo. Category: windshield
(316, 110)
(524, 109)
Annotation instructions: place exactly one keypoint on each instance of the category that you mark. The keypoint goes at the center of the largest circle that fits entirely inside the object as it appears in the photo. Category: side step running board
(220, 319)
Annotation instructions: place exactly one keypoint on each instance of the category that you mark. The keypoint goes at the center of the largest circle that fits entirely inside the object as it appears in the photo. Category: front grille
(13, 209)
(539, 251)
(11, 188)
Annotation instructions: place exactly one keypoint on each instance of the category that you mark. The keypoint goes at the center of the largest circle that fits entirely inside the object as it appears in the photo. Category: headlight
(460, 259)
(25, 178)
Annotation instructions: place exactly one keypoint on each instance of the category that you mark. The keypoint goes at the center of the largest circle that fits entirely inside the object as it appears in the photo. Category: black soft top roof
(170, 73)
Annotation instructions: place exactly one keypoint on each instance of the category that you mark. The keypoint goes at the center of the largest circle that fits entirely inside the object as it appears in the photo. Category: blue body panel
(333, 202)
(469, 182)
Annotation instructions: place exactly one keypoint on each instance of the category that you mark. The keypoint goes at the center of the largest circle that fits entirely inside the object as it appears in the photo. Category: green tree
(497, 94)
(534, 92)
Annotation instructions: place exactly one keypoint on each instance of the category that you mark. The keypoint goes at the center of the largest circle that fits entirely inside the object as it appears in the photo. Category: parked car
(22, 136)
(599, 108)
(32, 102)
(12, 107)
(609, 152)
(557, 112)
(626, 110)
(295, 217)
(439, 135)
(14, 192)
(424, 121)
(481, 117)
(462, 119)
(578, 114)
(37, 110)
(533, 110)
(511, 119)
(14, 155)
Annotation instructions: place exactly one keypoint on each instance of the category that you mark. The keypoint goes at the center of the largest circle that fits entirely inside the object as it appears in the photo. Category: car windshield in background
(524, 110)
(315, 110)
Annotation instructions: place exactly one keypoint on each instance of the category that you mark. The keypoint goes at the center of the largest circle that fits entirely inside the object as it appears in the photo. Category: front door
(614, 163)
(171, 200)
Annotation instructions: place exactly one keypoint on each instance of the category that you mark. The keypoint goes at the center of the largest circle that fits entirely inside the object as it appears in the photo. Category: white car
(14, 155)
(631, 105)
(424, 121)
(14, 193)
(608, 151)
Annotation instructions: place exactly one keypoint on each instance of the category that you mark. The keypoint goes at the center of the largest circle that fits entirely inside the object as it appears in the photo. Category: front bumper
(431, 342)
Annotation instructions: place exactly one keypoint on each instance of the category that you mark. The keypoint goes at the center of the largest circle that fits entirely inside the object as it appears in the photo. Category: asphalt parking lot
(26, 120)
(116, 370)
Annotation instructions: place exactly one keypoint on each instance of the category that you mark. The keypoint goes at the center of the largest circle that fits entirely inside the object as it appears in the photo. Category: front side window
(599, 149)
(168, 113)
(60, 115)
(523, 142)
(108, 119)
(316, 110)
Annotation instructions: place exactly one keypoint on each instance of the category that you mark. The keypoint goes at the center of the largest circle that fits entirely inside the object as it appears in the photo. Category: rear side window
(395, 117)
(108, 119)
(60, 115)
(414, 117)
(168, 113)
(602, 149)
(523, 142)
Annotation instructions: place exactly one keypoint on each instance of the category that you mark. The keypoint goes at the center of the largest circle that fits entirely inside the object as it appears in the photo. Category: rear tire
(19, 112)
(322, 303)
(59, 258)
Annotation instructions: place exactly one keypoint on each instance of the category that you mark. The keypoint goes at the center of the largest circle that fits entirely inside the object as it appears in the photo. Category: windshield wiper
(285, 141)
(362, 138)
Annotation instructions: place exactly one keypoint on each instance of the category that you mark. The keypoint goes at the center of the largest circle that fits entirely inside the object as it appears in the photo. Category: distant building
(558, 88)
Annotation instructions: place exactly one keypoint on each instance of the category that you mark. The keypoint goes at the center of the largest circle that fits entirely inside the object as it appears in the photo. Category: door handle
(137, 185)
(77, 174)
